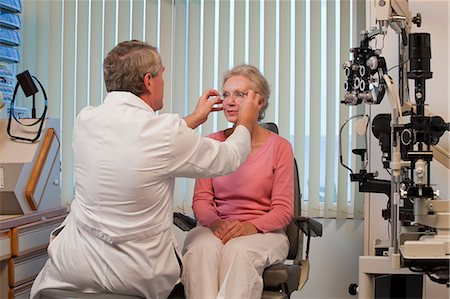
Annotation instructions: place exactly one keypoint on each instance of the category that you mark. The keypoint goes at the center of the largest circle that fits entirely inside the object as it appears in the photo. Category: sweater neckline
(261, 150)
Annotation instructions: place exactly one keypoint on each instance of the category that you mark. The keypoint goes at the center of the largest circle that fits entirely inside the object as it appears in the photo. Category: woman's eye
(240, 94)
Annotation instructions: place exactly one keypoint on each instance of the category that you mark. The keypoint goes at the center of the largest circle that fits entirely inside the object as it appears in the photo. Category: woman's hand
(227, 230)
(220, 227)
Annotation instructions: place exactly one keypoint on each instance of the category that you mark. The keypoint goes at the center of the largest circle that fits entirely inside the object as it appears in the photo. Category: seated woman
(241, 216)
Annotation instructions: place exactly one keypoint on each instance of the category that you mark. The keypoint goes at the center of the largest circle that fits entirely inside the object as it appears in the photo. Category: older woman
(241, 216)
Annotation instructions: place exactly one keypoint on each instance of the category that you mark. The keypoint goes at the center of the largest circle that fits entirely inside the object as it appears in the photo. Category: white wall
(334, 260)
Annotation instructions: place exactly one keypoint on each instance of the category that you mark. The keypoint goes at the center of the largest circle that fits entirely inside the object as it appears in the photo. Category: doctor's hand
(204, 107)
(249, 110)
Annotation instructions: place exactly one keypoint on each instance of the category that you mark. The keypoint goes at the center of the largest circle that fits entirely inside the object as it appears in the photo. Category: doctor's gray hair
(127, 63)
(258, 83)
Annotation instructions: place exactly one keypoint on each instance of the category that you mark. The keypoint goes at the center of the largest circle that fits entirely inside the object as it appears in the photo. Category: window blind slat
(152, 22)
(193, 67)
(284, 65)
(68, 101)
(300, 93)
(239, 33)
(207, 58)
(254, 33)
(179, 82)
(332, 101)
(165, 50)
(54, 61)
(109, 29)
(341, 211)
(82, 59)
(269, 56)
(124, 20)
(41, 50)
(96, 54)
(224, 43)
(137, 20)
(314, 116)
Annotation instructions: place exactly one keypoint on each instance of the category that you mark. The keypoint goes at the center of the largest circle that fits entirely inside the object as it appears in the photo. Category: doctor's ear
(147, 79)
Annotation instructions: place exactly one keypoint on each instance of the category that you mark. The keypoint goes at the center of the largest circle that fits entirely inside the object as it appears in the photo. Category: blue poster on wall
(14, 6)
(10, 42)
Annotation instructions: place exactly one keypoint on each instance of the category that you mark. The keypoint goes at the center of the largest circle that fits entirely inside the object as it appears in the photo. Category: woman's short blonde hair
(258, 83)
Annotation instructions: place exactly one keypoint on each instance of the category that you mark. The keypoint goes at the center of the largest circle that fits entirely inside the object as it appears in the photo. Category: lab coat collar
(125, 97)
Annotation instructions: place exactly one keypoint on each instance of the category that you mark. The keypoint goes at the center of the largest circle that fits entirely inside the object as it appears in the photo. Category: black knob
(417, 20)
(360, 152)
(353, 289)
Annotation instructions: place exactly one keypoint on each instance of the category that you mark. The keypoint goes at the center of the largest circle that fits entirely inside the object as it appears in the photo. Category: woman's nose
(231, 100)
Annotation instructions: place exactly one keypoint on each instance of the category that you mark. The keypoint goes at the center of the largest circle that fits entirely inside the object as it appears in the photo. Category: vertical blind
(299, 46)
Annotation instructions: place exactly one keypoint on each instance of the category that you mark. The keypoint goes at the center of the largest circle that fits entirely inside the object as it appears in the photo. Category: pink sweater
(261, 191)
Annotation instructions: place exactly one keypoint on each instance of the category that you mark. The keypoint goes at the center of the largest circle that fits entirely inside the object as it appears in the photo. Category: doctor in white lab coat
(117, 237)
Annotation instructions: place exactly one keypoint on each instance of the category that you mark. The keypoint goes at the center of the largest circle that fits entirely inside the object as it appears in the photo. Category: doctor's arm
(194, 156)
(248, 111)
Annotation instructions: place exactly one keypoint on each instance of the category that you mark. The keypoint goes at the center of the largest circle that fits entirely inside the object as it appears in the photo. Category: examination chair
(280, 280)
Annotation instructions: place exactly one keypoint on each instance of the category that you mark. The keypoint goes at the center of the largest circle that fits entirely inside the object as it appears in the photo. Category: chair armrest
(309, 226)
(183, 221)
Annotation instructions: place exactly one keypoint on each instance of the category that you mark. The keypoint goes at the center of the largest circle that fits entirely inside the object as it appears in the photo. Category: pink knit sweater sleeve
(203, 204)
(282, 199)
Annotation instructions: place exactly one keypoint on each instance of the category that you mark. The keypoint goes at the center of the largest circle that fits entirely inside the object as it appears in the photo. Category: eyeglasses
(236, 95)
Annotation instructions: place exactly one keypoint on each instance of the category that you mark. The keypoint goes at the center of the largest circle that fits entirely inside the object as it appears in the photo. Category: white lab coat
(117, 237)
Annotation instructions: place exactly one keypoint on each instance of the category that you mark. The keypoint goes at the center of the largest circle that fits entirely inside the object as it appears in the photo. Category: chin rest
(65, 294)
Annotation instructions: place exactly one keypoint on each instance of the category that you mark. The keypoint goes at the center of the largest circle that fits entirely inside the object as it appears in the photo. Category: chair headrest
(270, 126)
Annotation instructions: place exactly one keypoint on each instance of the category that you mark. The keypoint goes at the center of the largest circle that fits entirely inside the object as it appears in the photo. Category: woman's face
(234, 91)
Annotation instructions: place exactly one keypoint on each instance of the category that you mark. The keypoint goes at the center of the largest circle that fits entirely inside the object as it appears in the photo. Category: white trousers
(233, 270)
